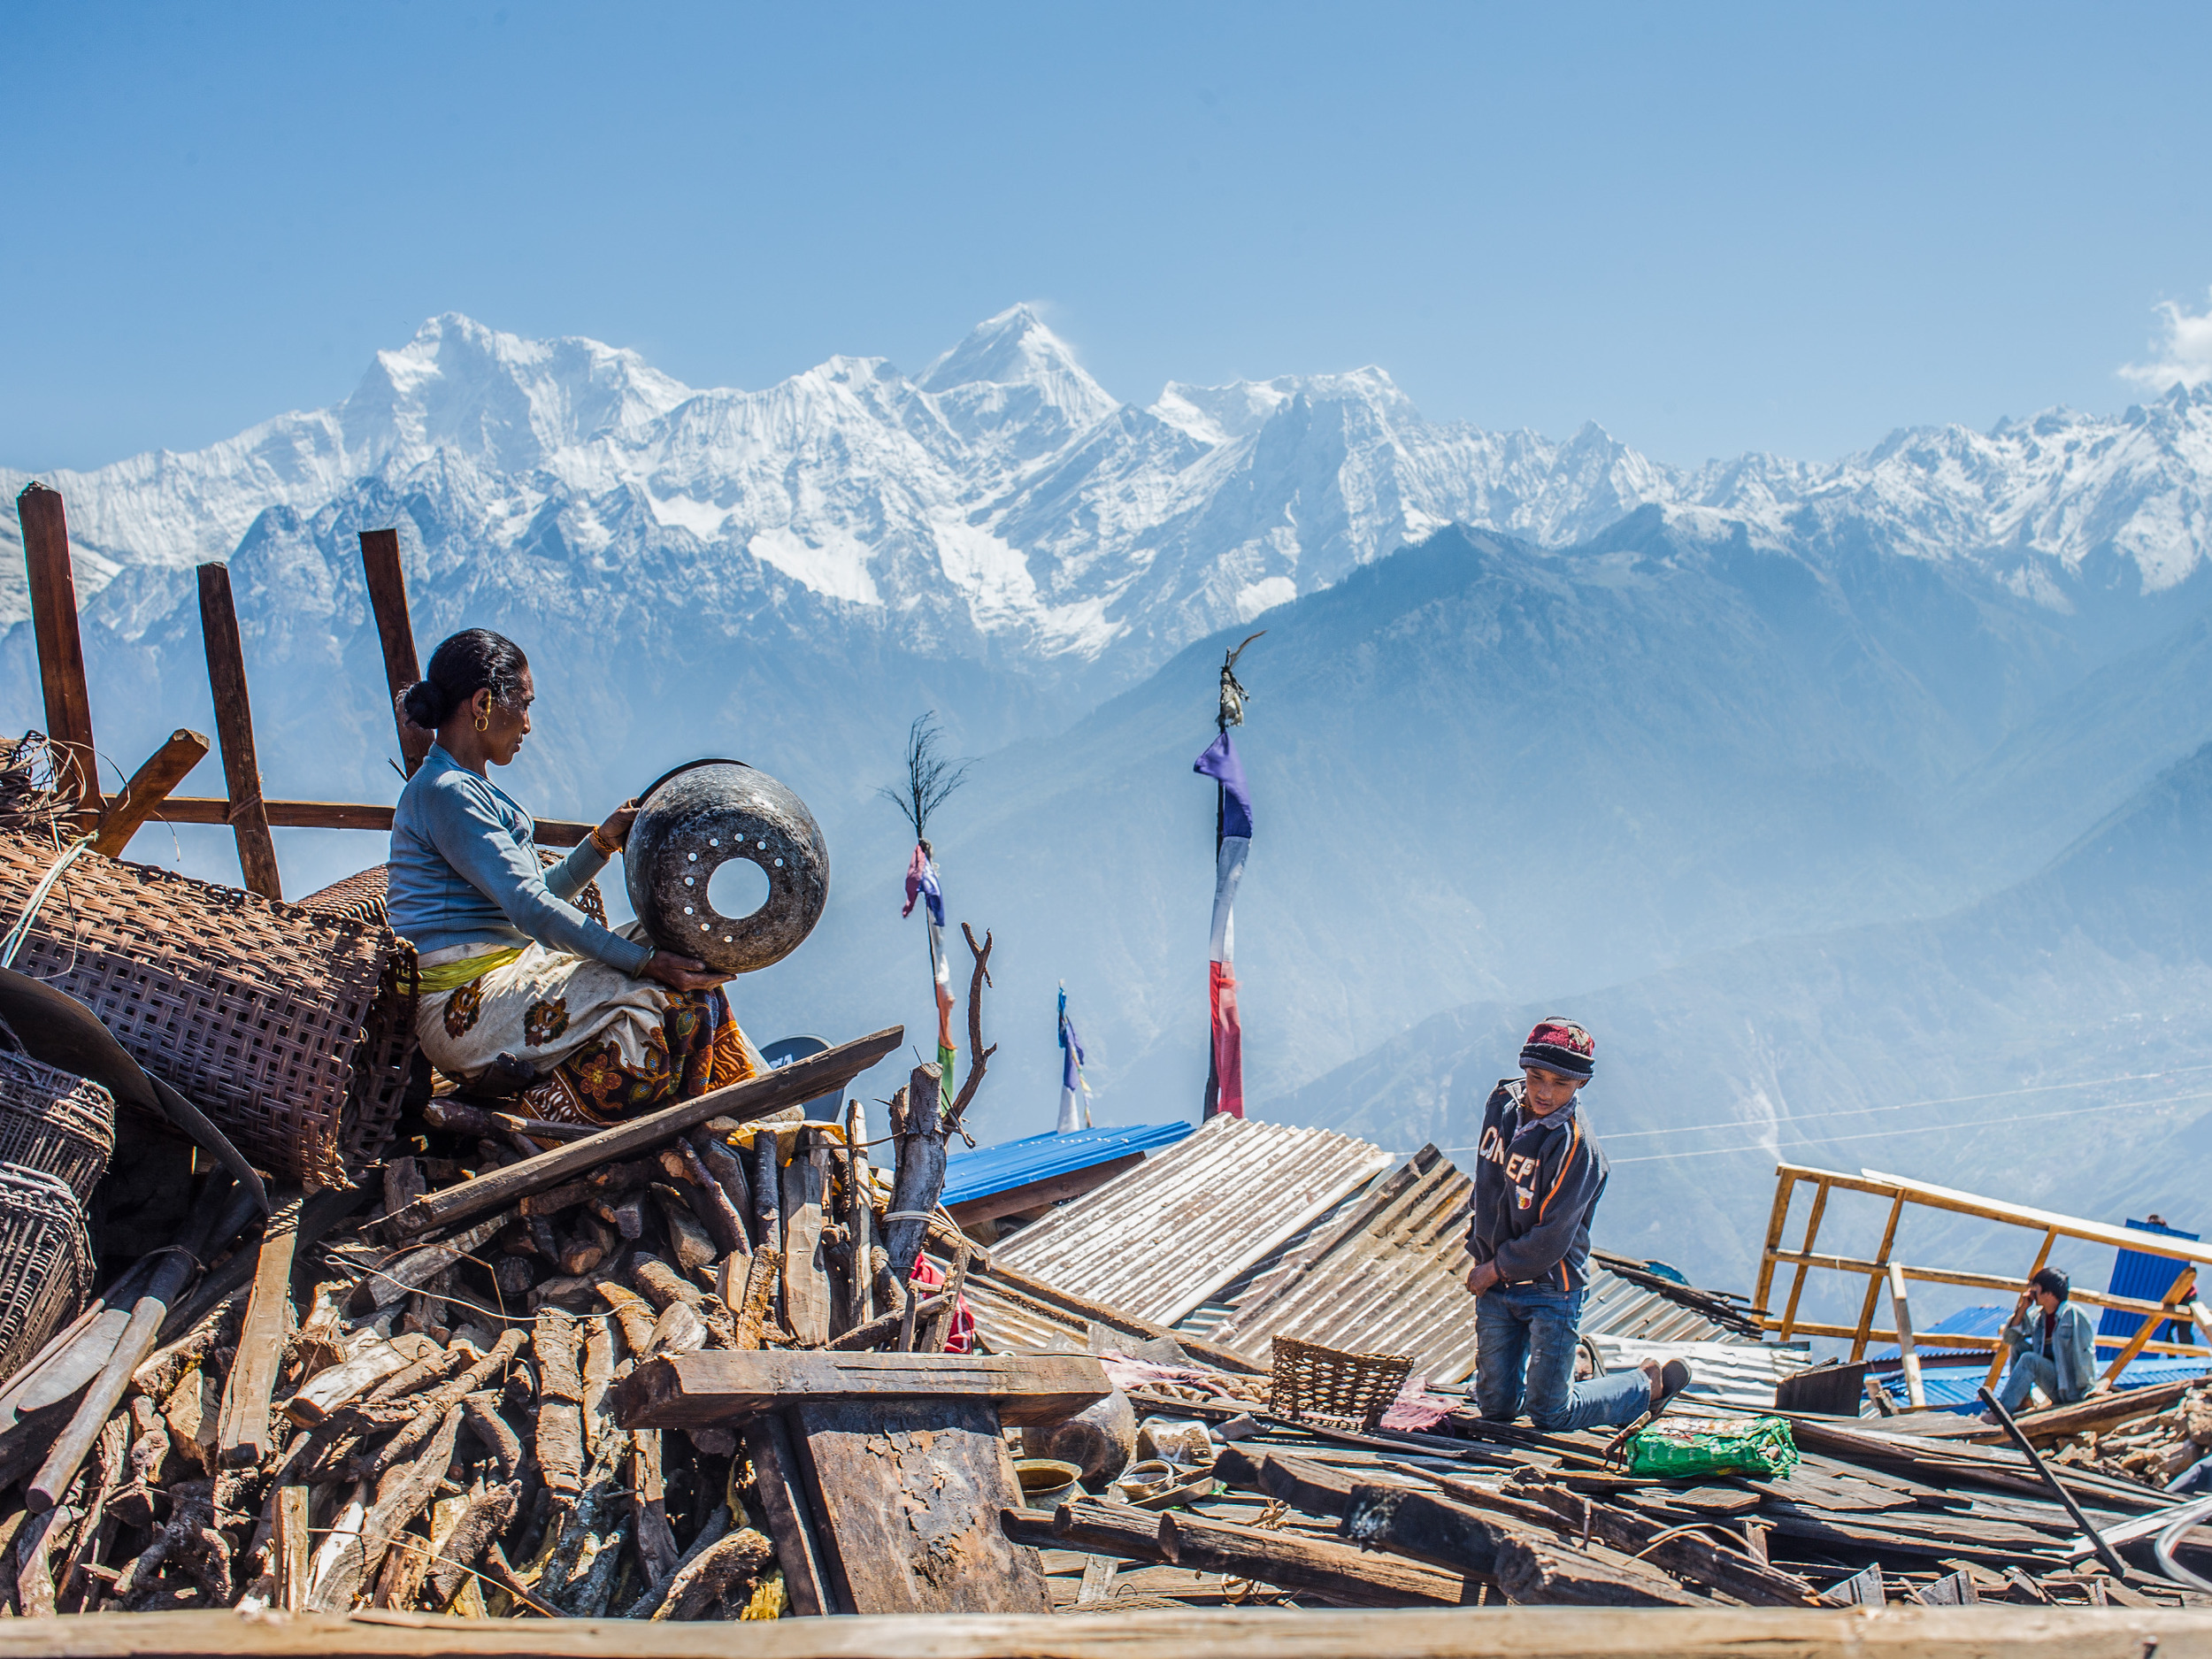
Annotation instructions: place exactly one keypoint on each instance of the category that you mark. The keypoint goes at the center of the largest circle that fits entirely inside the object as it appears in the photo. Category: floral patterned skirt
(606, 1046)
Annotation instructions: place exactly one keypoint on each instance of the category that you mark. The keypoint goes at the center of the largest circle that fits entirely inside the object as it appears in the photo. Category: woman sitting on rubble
(521, 992)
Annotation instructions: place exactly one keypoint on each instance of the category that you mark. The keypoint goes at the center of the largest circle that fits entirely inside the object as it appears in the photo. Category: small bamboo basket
(45, 1262)
(55, 1122)
(1330, 1387)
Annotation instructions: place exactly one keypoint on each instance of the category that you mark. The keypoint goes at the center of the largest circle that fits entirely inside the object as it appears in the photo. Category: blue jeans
(2029, 1368)
(1525, 1355)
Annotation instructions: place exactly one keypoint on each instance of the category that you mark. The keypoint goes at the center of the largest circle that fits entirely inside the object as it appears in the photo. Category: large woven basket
(55, 1121)
(260, 1013)
(1332, 1387)
(45, 1262)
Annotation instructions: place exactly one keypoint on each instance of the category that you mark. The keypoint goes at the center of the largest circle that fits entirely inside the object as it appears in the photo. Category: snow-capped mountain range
(1002, 504)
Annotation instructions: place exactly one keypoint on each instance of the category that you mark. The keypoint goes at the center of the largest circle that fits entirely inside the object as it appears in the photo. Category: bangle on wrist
(607, 848)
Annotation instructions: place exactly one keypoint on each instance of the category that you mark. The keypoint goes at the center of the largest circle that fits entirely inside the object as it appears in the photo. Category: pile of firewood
(2152, 1449)
(355, 1411)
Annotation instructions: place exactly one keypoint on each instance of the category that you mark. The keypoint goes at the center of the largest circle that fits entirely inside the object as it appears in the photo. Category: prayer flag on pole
(1220, 763)
(922, 883)
(1073, 1115)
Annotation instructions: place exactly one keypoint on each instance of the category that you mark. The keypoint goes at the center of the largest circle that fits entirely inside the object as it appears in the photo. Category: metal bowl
(697, 820)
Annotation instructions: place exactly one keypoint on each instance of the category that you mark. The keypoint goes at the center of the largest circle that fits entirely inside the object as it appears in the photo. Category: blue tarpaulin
(1012, 1164)
(2147, 1277)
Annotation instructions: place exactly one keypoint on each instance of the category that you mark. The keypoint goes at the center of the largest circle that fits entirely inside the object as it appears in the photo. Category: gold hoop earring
(483, 719)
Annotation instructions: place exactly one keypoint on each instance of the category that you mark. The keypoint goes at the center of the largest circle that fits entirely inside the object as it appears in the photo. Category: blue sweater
(465, 871)
(1537, 1181)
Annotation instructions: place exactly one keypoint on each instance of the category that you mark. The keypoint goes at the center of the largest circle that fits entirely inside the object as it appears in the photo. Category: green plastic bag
(1713, 1446)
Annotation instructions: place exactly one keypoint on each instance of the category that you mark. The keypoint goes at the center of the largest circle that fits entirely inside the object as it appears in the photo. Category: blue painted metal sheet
(1965, 1322)
(2148, 1277)
(1012, 1164)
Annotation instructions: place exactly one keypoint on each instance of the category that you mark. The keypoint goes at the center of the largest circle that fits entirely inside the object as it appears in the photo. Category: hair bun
(426, 705)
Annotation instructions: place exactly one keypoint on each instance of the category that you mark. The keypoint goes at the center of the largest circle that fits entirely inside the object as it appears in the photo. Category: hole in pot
(738, 887)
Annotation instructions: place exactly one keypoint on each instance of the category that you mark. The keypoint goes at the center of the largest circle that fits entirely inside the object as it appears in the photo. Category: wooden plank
(53, 592)
(1532, 1632)
(246, 814)
(387, 599)
(1930, 1196)
(783, 1500)
(1972, 1281)
(909, 1494)
(1541, 1571)
(2183, 1288)
(716, 1384)
(1900, 1312)
(192, 808)
(806, 1288)
(1812, 1232)
(1040, 1194)
(243, 1437)
(295, 1546)
(1873, 1281)
(756, 1097)
(1785, 1189)
(150, 785)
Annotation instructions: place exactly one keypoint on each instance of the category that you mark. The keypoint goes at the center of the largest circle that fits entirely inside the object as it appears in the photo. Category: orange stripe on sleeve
(1565, 1163)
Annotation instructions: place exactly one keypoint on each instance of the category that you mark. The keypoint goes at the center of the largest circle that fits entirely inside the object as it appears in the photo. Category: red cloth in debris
(960, 1337)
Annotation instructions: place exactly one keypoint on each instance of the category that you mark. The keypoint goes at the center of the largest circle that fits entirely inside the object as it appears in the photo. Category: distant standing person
(1539, 1175)
(2052, 1347)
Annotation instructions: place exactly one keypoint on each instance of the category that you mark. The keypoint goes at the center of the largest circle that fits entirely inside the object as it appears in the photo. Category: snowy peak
(1014, 388)
(510, 403)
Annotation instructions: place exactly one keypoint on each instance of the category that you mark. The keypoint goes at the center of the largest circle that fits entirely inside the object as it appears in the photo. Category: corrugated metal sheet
(1013, 1164)
(1387, 1279)
(1733, 1373)
(1613, 1307)
(1157, 1240)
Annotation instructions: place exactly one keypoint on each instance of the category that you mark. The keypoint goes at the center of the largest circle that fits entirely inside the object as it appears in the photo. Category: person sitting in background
(519, 990)
(2052, 1347)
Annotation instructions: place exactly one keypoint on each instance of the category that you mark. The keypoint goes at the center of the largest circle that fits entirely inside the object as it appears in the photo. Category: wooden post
(1997, 1360)
(149, 788)
(1785, 1188)
(1874, 1280)
(806, 1288)
(1916, 1396)
(2185, 1287)
(234, 727)
(1797, 1285)
(54, 624)
(388, 598)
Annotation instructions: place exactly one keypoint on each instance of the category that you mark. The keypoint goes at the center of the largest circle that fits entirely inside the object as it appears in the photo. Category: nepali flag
(922, 883)
(1073, 1115)
(1220, 763)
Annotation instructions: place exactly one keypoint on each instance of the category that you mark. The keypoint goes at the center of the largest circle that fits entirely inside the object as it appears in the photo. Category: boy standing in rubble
(1537, 1177)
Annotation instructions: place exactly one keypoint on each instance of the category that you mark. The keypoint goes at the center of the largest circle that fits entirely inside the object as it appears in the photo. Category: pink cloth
(960, 1334)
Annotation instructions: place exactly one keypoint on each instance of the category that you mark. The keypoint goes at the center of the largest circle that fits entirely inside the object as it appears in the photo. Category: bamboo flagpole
(930, 778)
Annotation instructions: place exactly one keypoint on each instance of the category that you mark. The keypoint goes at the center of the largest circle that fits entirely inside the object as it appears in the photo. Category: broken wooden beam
(720, 1385)
(756, 1097)
(244, 1439)
(150, 785)
(53, 592)
(387, 599)
(245, 813)
(1534, 1570)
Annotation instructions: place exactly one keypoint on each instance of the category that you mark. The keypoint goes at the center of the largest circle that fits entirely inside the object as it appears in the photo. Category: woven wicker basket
(45, 1262)
(55, 1121)
(1333, 1387)
(260, 1013)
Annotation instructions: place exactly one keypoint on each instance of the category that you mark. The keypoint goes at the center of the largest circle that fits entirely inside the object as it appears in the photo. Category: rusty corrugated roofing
(1159, 1239)
(1387, 1277)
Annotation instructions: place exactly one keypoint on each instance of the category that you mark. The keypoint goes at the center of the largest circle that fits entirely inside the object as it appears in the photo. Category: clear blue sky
(1710, 228)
